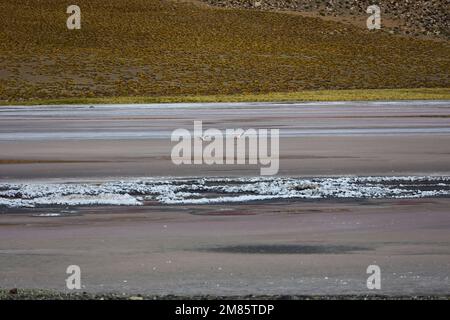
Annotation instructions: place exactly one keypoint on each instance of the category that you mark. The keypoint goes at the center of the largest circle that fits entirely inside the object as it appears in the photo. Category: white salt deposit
(218, 190)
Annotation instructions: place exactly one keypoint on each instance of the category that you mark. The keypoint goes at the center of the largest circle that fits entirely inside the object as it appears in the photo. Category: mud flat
(317, 139)
(360, 184)
(304, 247)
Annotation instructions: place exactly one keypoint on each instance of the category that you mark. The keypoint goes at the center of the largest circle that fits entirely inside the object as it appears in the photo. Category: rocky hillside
(412, 17)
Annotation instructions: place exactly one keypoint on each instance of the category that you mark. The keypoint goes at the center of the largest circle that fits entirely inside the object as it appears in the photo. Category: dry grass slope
(150, 48)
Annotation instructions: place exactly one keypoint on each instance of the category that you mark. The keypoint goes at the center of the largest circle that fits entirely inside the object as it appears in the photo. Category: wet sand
(283, 247)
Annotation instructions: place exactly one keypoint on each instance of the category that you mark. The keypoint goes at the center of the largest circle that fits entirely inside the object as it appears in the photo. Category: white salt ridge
(73, 200)
(219, 190)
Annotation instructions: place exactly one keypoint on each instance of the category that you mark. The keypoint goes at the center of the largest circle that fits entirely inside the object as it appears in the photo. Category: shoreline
(201, 191)
(300, 96)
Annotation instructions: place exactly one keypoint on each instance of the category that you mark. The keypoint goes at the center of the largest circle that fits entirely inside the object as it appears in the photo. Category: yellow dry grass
(321, 95)
(156, 51)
